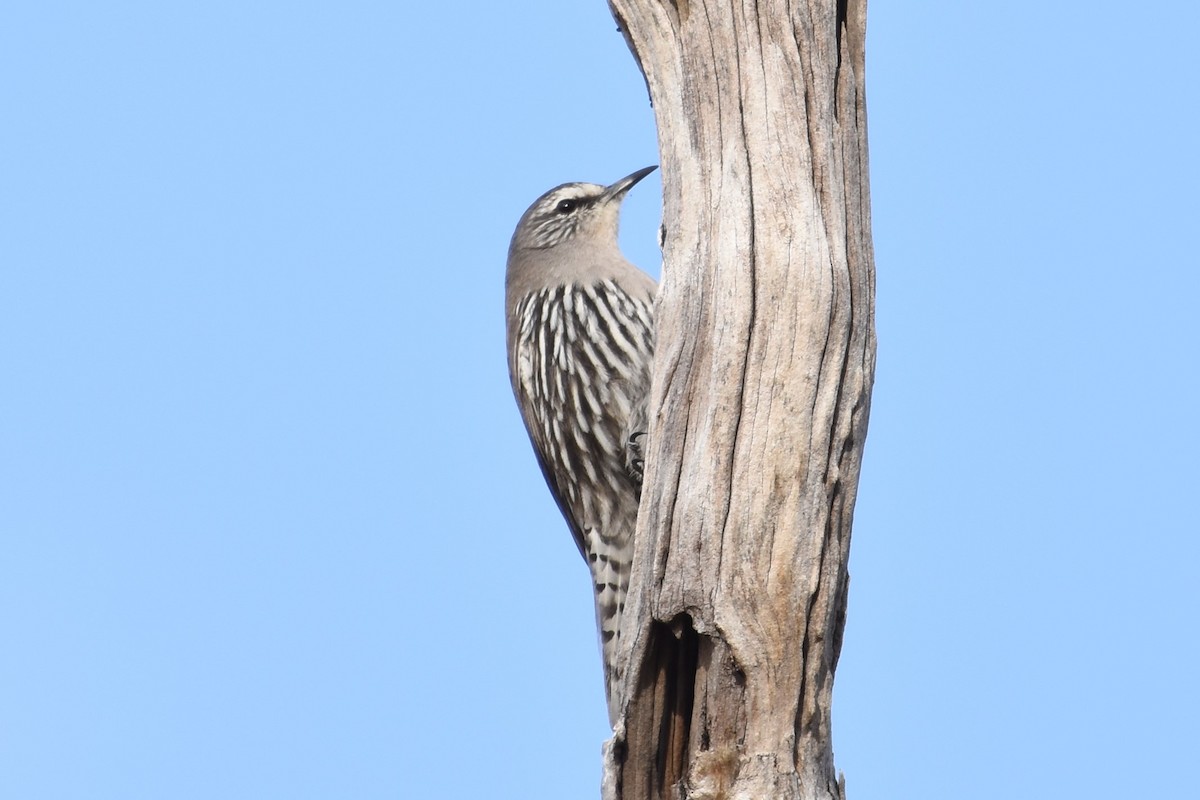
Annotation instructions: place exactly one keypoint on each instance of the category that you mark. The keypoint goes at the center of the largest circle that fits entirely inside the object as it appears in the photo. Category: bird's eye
(566, 206)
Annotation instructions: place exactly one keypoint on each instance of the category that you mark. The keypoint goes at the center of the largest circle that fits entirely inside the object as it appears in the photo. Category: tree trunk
(762, 378)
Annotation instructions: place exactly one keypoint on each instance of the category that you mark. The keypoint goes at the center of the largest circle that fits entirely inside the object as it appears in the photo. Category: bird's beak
(618, 189)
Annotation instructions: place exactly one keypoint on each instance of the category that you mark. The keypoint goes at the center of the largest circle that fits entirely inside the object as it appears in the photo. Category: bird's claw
(635, 456)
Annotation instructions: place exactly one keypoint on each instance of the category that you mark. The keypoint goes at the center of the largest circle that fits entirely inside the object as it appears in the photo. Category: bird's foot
(635, 455)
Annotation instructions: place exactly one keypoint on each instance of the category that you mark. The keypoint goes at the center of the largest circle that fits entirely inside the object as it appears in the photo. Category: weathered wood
(763, 371)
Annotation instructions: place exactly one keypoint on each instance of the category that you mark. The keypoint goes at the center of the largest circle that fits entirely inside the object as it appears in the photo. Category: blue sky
(269, 521)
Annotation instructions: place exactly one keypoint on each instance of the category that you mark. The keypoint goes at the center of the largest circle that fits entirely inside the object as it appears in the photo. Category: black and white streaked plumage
(580, 343)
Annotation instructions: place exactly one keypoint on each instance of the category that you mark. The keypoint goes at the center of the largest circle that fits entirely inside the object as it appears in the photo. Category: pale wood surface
(765, 358)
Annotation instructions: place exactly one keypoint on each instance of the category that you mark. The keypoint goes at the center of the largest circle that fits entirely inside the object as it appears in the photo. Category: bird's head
(574, 212)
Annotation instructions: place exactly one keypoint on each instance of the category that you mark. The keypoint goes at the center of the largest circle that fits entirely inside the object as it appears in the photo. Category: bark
(762, 378)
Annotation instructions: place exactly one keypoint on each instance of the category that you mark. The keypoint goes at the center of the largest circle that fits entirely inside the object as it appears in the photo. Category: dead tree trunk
(762, 380)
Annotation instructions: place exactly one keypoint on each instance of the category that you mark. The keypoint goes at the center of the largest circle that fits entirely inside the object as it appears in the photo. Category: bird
(580, 332)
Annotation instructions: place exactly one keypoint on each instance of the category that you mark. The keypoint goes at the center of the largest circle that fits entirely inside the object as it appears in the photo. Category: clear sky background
(270, 526)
